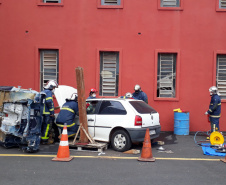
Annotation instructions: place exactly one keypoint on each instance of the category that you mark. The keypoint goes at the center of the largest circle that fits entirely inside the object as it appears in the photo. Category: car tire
(120, 141)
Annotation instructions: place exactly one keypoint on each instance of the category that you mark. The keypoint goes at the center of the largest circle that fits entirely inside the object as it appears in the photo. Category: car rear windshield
(142, 107)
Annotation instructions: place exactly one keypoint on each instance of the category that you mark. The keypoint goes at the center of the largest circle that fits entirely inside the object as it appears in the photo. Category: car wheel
(120, 141)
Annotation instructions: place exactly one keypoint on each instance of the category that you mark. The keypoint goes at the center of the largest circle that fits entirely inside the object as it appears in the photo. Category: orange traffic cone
(63, 153)
(224, 160)
(146, 154)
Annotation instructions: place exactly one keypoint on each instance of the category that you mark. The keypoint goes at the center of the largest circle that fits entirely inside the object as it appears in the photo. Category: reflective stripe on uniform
(64, 108)
(219, 104)
(71, 135)
(210, 110)
(46, 133)
(44, 110)
(51, 109)
(59, 125)
(214, 116)
(49, 98)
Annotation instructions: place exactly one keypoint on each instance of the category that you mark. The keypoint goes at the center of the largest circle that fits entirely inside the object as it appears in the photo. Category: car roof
(114, 99)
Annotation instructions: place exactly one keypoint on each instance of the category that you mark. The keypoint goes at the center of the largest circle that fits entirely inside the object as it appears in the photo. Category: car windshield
(142, 107)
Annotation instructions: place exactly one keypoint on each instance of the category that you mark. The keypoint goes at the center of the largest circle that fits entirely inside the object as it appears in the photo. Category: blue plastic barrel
(181, 123)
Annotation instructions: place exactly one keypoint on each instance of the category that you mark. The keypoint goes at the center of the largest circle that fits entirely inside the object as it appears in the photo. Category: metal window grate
(222, 3)
(166, 75)
(109, 74)
(49, 66)
(110, 2)
(221, 75)
(170, 3)
(52, 1)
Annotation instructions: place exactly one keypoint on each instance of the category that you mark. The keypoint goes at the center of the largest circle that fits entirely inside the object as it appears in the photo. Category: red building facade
(175, 50)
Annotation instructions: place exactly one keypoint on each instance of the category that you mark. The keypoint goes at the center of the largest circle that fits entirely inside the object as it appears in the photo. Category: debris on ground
(132, 151)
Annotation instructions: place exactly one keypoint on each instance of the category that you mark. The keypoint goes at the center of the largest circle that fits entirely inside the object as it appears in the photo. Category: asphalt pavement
(182, 162)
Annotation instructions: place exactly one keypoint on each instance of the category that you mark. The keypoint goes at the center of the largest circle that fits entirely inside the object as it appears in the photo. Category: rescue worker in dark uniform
(67, 115)
(48, 110)
(214, 108)
(139, 94)
(92, 93)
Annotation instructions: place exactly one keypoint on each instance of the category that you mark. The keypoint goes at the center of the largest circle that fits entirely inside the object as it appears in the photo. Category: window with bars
(222, 4)
(109, 73)
(166, 77)
(221, 75)
(51, 1)
(110, 2)
(170, 3)
(49, 66)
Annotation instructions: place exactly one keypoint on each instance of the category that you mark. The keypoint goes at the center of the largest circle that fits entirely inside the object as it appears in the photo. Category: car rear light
(138, 121)
(6, 115)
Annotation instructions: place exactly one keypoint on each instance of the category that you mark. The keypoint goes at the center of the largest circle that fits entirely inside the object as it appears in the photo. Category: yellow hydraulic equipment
(216, 138)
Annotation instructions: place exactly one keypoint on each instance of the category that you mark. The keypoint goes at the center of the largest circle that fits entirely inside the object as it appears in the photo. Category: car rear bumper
(138, 134)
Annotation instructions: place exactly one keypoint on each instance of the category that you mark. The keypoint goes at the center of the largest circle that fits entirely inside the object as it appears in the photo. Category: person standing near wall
(139, 94)
(214, 111)
(92, 93)
(48, 110)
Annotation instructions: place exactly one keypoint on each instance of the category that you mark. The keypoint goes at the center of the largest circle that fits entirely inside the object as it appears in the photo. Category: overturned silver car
(20, 118)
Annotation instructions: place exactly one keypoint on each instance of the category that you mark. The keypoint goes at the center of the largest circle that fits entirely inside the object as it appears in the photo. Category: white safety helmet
(213, 90)
(51, 84)
(73, 97)
(137, 87)
(128, 95)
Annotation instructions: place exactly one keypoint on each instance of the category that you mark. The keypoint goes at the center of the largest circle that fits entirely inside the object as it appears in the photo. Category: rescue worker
(128, 95)
(92, 93)
(214, 111)
(48, 110)
(67, 115)
(139, 94)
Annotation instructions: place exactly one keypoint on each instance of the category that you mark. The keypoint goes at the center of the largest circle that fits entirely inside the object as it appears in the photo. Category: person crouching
(67, 115)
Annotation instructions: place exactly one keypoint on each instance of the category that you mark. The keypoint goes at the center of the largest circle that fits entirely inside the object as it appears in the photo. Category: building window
(49, 66)
(221, 75)
(110, 2)
(222, 4)
(109, 73)
(170, 3)
(166, 76)
(51, 1)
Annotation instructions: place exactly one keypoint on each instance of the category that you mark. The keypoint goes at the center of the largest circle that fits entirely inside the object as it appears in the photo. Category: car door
(91, 116)
(111, 114)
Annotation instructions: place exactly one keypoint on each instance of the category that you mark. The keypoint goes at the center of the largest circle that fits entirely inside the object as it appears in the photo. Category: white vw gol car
(121, 121)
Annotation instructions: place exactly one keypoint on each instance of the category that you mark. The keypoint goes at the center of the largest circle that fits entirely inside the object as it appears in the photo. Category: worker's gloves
(206, 113)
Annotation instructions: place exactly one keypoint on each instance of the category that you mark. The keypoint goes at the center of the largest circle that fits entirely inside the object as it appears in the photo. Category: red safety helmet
(93, 90)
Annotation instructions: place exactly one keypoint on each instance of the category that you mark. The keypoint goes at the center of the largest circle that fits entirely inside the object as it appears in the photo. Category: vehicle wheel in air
(120, 141)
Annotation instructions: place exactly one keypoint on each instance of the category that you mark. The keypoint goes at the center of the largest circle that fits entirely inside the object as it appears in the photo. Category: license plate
(151, 132)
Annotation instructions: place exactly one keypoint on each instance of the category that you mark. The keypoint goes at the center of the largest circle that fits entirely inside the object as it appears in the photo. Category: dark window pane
(142, 107)
(112, 107)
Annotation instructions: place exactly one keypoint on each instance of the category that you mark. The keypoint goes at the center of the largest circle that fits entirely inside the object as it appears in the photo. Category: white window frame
(49, 66)
(51, 1)
(166, 75)
(110, 2)
(109, 73)
(221, 75)
(170, 3)
(222, 4)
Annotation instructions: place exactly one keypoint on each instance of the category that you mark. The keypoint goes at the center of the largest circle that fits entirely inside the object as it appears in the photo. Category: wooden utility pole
(82, 104)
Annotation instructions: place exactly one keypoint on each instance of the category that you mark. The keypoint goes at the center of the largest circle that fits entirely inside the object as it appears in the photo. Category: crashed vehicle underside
(20, 118)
